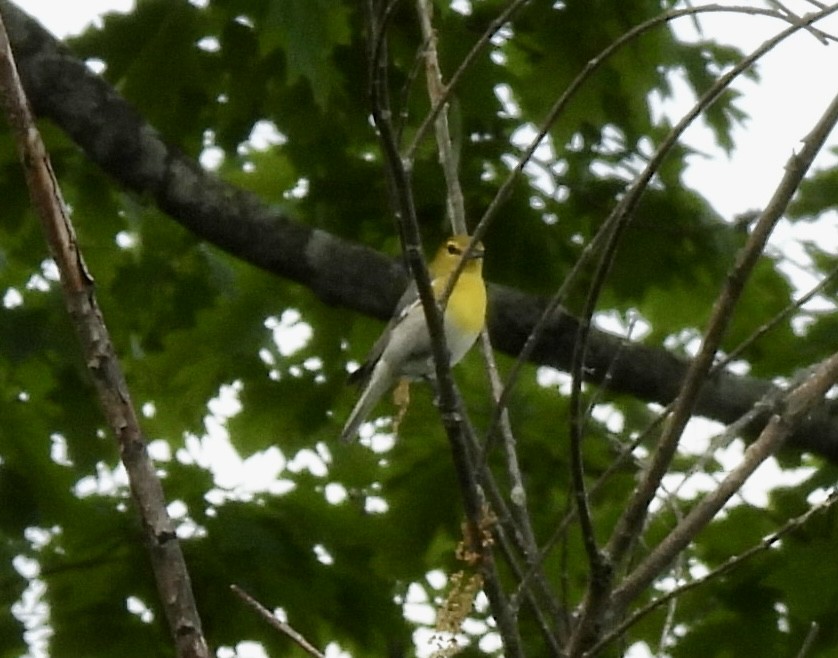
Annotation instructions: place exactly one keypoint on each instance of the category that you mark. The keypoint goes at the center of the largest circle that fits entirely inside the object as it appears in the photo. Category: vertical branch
(167, 560)
(452, 416)
(436, 89)
(438, 93)
(476, 49)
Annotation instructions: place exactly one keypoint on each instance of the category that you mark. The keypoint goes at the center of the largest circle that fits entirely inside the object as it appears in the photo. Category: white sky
(796, 86)
(784, 105)
(71, 17)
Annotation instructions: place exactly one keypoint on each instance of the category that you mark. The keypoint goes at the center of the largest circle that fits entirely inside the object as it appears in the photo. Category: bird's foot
(401, 398)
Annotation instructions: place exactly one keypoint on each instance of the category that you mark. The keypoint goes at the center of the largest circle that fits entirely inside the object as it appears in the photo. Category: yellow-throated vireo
(403, 351)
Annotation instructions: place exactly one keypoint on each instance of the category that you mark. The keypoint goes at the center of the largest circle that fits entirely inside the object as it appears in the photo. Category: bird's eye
(453, 248)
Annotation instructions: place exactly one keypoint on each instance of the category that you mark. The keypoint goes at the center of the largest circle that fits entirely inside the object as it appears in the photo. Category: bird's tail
(380, 380)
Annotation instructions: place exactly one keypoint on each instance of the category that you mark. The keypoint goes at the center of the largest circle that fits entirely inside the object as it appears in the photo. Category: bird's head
(450, 253)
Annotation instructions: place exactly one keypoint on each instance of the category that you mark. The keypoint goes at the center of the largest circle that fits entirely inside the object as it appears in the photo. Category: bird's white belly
(459, 342)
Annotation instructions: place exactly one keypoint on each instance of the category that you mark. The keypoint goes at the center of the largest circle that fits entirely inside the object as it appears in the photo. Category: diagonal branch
(167, 560)
(724, 568)
(628, 525)
(612, 228)
(448, 157)
(794, 406)
(281, 626)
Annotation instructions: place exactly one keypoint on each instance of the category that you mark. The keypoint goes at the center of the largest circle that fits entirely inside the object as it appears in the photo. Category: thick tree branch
(114, 135)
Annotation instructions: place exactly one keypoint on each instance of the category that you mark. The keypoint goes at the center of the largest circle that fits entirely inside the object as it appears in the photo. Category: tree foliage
(248, 284)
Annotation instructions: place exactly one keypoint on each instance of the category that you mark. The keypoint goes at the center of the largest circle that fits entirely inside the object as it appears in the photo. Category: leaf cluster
(339, 542)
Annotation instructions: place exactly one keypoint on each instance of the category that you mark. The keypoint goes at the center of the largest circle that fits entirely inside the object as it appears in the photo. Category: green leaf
(305, 30)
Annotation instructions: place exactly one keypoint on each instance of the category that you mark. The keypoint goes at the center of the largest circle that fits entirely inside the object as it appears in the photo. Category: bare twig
(793, 306)
(768, 402)
(514, 530)
(269, 238)
(811, 636)
(591, 67)
(456, 211)
(524, 532)
(630, 523)
(735, 429)
(794, 18)
(705, 101)
(605, 230)
(721, 570)
(167, 560)
(283, 627)
(671, 608)
(598, 566)
(438, 104)
(453, 418)
(797, 166)
(447, 154)
(795, 405)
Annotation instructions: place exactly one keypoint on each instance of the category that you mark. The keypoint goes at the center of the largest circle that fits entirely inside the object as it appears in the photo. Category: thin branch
(823, 37)
(519, 512)
(456, 210)
(404, 97)
(167, 560)
(605, 230)
(521, 538)
(770, 400)
(790, 308)
(342, 273)
(630, 522)
(724, 568)
(668, 629)
(765, 404)
(591, 67)
(453, 417)
(598, 566)
(736, 429)
(438, 105)
(436, 89)
(403, 204)
(811, 636)
(283, 627)
(795, 405)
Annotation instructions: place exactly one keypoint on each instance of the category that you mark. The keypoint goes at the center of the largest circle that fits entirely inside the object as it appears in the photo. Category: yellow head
(450, 253)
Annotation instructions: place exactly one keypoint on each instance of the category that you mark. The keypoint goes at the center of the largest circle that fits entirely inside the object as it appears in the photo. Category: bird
(404, 351)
